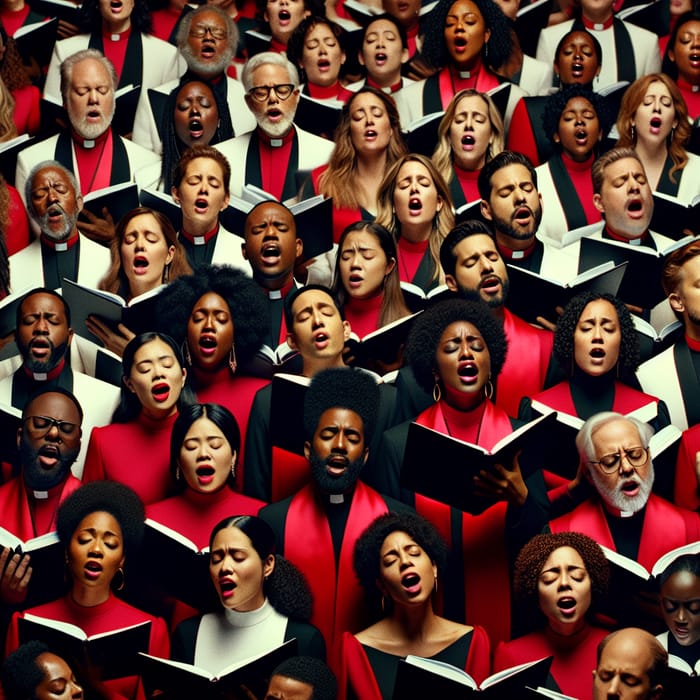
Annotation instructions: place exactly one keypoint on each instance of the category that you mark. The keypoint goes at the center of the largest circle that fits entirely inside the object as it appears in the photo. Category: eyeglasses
(636, 457)
(39, 426)
(262, 92)
(200, 31)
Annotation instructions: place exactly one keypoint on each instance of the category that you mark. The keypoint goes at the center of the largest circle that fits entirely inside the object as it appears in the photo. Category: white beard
(616, 498)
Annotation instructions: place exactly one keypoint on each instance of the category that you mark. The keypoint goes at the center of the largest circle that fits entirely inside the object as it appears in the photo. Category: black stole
(132, 70)
(534, 106)
(666, 185)
(688, 370)
(120, 167)
(432, 100)
(24, 386)
(57, 265)
(624, 51)
(533, 261)
(253, 173)
(571, 204)
(424, 274)
(458, 198)
(199, 254)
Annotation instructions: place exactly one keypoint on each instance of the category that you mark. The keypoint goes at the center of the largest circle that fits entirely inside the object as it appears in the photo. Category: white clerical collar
(695, 88)
(199, 240)
(627, 513)
(40, 376)
(464, 74)
(88, 143)
(636, 241)
(114, 37)
(61, 247)
(276, 143)
(336, 498)
(274, 294)
(517, 255)
(41, 495)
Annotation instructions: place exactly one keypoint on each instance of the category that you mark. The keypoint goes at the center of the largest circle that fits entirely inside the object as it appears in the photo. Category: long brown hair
(338, 179)
(115, 280)
(679, 136)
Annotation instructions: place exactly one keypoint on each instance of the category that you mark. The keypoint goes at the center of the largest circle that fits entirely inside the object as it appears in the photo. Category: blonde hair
(444, 220)
(443, 157)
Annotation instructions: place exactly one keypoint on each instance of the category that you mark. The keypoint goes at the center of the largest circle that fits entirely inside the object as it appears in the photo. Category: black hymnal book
(10, 422)
(117, 199)
(319, 117)
(382, 345)
(422, 134)
(36, 41)
(675, 218)
(170, 551)
(63, 9)
(529, 22)
(286, 412)
(417, 299)
(47, 561)
(269, 361)
(419, 677)
(532, 295)
(164, 203)
(172, 680)
(114, 653)
(450, 479)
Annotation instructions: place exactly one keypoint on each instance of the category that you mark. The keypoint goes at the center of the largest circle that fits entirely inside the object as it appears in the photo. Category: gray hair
(231, 28)
(28, 185)
(261, 59)
(69, 64)
(584, 438)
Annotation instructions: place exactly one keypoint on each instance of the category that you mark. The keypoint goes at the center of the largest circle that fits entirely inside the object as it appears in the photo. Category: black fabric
(568, 196)
(253, 174)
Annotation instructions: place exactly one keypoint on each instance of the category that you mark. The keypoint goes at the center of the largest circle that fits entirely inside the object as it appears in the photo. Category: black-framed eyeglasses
(262, 92)
(636, 457)
(39, 426)
(199, 31)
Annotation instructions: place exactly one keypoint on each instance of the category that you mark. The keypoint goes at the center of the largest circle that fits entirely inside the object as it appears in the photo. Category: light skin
(90, 98)
(577, 61)
(470, 133)
(144, 254)
(271, 245)
(680, 606)
(210, 332)
(322, 56)
(623, 670)
(598, 11)
(206, 459)
(318, 331)
(416, 201)
(284, 17)
(196, 116)
(370, 128)
(285, 688)
(95, 553)
(273, 115)
(564, 590)
(405, 12)
(202, 195)
(578, 131)
(55, 203)
(363, 265)
(382, 53)
(463, 365)
(58, 682)
(685, 299)
(237, 571)
(465, 34)
(625, 198)
(597, 338)
(156, 378)
(116, 17)
(687, 46)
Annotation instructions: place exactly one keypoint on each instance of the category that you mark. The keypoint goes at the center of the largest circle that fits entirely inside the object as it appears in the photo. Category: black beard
(505, 226)
(331, 485)
(57, 354)
(491, 302)
(39, 479)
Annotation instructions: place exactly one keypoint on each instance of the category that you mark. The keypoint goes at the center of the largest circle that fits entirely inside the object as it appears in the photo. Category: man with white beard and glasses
(316, 528)
(48, 442)
(89, 147)
(61, 251)
(207, 39)
(271, 155)
(622, 514)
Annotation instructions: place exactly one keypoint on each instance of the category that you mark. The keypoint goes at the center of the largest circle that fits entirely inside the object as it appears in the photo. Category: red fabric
(685, 485)
(484, 555)
(90, 161)
(12, 20)
(338, 597)
(468, 181)
(450, 83)
(571, 667)
(15, 508)
(357, 675)
(325, 92)
(410, 256)
(527, 359)
(521, 136)
(274, 163)
(580, 174)
(164, 22)
(17, 234)
(363, 314)
(290, 472)
(115, 450)
(115, 51)
(691, 97)
(113, 614)
(26, 115)
(665, 527)
(236, 392)
(342, 216)
(194, 514)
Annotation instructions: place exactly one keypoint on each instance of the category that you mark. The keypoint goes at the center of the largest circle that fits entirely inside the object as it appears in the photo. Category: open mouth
(320, 340)
(411, 582)
(468, 141)
(597, 353)
(581, 135)
(116, 5)
(370, 134)
(227, 587)
(207, 51)
(567, 605)
(274, 114)
(207, 344)
(93, 567)
(48, 456)
(635, 207)
(523, 215)
(415, 205)
(140, 262)
(694, 59)
(40, 347)
(324, 64)
(94, 114)
(54, 212)
(205, 474)
(380, 58)
(460, 42)
(336, 464)
(468, 371)
(355, 280)
(195, 128)
(577, 69)
(630, 488)
(271, 252)
(285, 15)
(490, 284)
(201, 205)
(655, 125)
(160, 392)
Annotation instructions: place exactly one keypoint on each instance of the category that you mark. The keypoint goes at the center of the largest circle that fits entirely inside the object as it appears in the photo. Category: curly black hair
(19, 673)
(366, 558)
(428, 328)
(500, 43)
(91, 19)
(313, 672)
(245, 299)
(533, 556)
(108, 496)
(342, 387)
(295, 45)
(563, 350)
(556, 103)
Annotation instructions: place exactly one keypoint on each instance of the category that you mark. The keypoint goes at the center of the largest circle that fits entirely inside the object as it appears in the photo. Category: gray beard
(615, 498)
(208, 69)
(69, 222)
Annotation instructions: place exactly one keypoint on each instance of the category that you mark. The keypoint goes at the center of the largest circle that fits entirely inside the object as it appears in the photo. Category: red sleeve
(159, 644)
(17, 234)
(356, 674)
(12, 639)
(685, 485)
(520, 135)
(502, 658)
(94, 464)
(479, 657)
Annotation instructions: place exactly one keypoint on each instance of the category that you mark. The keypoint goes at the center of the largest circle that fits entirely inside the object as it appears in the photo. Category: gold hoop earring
(488, 389)
(123, 581)
(437, 393)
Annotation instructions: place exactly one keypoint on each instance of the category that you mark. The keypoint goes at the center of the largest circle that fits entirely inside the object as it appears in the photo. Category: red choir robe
(686, 491)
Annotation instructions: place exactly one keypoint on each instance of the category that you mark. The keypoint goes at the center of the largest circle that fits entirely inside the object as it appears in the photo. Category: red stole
(338, 598)
(449, 82)
(483, 555)
(664, 527)
(626, 398)
(580, 174)
(274, 162)
(115, 51)
(410, 257)
(90, 161)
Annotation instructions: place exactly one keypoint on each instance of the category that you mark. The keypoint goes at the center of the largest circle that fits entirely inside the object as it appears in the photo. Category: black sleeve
(310, 641)
(258, 449)
(184, 640)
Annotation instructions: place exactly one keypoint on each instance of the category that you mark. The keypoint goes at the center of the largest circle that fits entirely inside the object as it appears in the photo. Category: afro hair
(348, 388)
(246, 301)
(107, 496)
(366, 558)
(534, 555)
(310, 670)
(563, 350)
(20, 673)
(428, 328)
